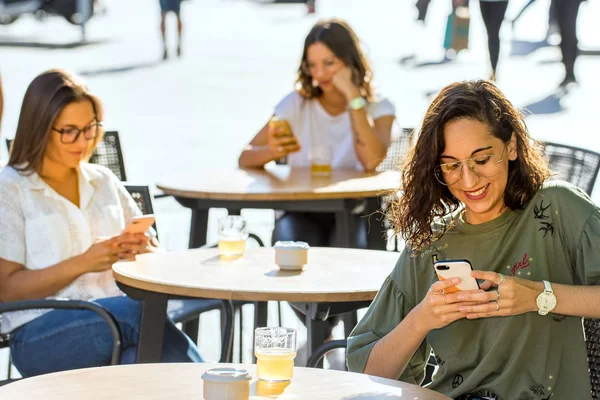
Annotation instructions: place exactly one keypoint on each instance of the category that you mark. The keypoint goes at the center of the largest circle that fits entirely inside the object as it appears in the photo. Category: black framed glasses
(71, 134)
(485, 166)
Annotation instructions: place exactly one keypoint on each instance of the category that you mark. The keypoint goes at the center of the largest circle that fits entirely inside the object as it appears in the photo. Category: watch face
(546, 302)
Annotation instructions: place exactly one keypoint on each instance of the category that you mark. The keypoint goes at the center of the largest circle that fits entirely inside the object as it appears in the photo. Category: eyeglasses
(485, 166)
(71, 134)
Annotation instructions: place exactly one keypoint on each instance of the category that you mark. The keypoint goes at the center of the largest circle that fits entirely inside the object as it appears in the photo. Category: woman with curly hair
(475, 187)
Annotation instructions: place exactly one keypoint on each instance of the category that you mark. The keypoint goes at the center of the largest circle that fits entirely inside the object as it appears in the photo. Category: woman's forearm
(369, 148)
(255, 156)
(26, 284)
(575, 300)
(391, 355)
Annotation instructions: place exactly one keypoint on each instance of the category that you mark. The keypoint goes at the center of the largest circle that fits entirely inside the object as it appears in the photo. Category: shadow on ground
(8, 41)
(550, 104)
(121, 69)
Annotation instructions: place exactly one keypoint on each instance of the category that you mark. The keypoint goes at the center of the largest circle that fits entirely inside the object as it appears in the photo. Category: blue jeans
(70, 339)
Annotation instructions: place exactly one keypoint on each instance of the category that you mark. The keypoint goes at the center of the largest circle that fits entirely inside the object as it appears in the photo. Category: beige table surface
(280, 183)
(331, 275)
(183, 382)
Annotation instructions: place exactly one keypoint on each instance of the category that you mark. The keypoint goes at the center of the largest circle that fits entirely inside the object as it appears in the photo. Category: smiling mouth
(478, 192)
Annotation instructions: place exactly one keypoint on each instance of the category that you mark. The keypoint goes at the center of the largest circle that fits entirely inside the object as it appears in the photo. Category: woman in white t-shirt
(60, 232)
(334, 106)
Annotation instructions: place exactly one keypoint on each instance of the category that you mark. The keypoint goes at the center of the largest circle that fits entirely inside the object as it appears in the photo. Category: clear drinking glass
(232, 237)
(320, 160)
(275, 350)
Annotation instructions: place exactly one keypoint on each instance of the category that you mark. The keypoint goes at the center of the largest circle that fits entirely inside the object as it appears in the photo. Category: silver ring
(280, 148)
(497, 307)
(502, 279)
(437, 292)
(498, 294)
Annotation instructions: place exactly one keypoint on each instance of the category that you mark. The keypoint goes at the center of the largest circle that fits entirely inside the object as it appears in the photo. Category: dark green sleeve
(385, 313)
(588, 253)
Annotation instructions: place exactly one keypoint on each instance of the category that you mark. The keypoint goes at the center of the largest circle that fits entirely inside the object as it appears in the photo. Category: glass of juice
(233, 233)
(275, 350)
(320, 160)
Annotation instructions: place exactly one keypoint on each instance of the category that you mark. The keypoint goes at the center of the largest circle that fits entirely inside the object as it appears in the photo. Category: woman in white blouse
(60, 233)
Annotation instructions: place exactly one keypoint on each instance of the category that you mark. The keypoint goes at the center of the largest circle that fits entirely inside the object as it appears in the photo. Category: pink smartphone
(447, 269)
(139, 224)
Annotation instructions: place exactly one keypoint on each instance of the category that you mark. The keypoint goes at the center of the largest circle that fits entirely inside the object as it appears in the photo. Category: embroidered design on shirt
(439, 361)
(558, 318)
(457, 381)
(483, 394)
(520, 265)
(539, 212)
(539, 390)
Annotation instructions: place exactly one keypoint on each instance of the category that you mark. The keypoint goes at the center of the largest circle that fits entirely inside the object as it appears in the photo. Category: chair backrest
(573, 164)
(592, 337)
(397, 151)
(143, 198)
(8, 143)
(110, 155)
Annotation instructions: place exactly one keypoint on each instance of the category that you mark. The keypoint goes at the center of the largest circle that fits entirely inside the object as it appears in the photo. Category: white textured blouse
(40, 228)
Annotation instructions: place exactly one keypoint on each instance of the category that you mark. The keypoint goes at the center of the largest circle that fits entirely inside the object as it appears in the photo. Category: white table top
(331, 275)
(183, 381)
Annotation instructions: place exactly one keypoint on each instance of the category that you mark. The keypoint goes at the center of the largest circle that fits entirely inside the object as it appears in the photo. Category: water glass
(233, 233)
(275, 350)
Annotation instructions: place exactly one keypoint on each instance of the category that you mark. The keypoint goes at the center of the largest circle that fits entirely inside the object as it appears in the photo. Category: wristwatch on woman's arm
(546, 301)
(357, 103)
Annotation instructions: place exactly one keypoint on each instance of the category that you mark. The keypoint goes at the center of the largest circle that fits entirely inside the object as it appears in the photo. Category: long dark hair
(44, 99)
(337, 35)
(424, 199)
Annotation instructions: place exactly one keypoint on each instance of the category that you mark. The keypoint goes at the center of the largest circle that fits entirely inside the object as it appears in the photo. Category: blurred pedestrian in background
(167, 6)
(567, 12)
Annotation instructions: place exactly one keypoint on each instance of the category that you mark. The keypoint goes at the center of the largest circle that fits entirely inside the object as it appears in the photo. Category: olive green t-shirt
(555, 238)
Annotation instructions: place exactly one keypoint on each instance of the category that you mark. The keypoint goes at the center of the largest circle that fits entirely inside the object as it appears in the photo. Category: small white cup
(291, 255)
(226, 384)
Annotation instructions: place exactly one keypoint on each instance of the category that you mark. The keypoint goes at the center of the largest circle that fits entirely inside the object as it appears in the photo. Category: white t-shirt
(313, 126)
(40, 228)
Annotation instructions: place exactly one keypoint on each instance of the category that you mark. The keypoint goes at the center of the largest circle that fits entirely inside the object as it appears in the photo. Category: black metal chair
(63, 304)
(187, 312)
(573, 164)
(109, 154)
(397, 151)
(8, 143)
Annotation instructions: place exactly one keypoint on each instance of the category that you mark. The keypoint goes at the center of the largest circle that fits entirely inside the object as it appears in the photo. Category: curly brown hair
(337, 35)
(424, 199)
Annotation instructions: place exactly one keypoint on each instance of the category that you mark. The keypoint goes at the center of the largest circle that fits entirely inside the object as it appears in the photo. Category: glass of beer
(275, 350)
(232, 237)
(320, 160)
(286, 131)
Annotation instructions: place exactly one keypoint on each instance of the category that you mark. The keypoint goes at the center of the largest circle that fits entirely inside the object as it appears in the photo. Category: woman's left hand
(342, 80)
(134, 244)
(513, 296)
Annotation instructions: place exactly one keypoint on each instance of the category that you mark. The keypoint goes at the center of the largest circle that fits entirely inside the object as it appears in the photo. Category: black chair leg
(350, 320)
(191, 328)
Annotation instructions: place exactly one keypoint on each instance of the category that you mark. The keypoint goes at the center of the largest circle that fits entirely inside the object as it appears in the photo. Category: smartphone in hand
(139, 224)
(447, 269)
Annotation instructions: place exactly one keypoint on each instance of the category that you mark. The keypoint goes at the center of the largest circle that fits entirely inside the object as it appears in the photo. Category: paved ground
(239, 60)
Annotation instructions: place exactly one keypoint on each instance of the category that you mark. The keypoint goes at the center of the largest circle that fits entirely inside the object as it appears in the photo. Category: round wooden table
(280, 188)
(331, 275)
(182, 381)
(346, 278)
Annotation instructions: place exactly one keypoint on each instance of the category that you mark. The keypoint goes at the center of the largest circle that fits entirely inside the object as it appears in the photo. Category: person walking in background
(1, 103)
(167, 6)
(492, 12)
(566, 13)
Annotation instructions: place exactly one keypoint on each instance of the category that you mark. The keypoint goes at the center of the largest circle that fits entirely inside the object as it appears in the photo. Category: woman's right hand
(280, 145)
(439, 309)
(103, 254)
